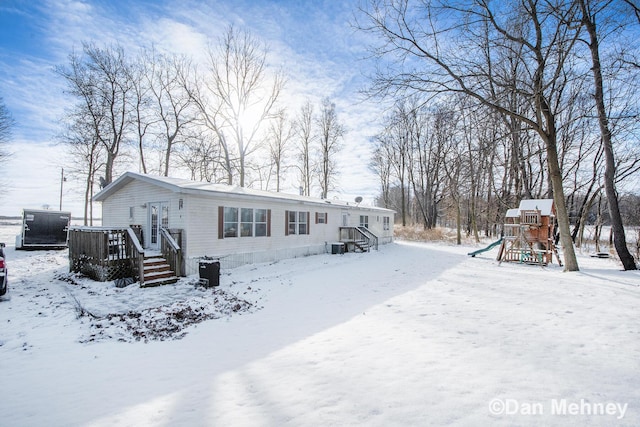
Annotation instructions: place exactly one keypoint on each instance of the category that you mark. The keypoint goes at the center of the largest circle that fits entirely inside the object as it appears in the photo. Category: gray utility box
(209, 272)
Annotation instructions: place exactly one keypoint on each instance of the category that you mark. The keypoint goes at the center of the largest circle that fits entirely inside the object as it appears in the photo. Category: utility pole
(62, 180)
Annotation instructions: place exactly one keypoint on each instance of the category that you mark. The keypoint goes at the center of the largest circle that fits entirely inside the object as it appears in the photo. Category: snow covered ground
(412, 334)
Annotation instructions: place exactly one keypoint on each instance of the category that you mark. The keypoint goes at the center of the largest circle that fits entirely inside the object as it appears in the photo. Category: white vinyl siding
(129, 206)
(202, 222)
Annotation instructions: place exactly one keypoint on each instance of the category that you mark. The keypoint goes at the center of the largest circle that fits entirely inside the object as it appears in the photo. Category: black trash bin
(210, 272)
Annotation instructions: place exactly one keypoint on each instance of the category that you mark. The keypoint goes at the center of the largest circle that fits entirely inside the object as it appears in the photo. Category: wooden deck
(358, 239)
(104, 254)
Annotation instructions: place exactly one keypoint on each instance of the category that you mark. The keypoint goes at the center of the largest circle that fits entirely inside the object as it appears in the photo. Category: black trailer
(44, 229)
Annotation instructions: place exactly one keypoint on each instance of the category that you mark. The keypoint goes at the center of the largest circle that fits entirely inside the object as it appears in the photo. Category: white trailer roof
(184, 186)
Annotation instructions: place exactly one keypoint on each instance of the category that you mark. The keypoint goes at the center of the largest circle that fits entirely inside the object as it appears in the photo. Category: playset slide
(491, 246)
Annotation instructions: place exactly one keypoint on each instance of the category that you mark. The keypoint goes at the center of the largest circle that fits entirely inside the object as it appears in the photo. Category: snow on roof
(185, 186)
(513, 213)
(545, 206)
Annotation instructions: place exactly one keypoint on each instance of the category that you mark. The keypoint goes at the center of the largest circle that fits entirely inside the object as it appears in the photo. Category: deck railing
(137, 255)
(360, 237)
(170, 241)
(511, 231)
(105, 254)
(373, 239)
(530, 217)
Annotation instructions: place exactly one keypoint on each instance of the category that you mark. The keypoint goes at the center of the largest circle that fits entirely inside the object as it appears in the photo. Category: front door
(158, 218)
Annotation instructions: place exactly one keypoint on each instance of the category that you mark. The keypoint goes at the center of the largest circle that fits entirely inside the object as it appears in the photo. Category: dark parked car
(3, 271)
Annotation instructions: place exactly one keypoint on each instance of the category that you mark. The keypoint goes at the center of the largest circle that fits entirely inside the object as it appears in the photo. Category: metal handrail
(370, 235)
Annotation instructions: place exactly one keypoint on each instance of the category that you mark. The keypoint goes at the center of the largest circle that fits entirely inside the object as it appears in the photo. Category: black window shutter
(220, 222)
(286, 223)
(268, 222)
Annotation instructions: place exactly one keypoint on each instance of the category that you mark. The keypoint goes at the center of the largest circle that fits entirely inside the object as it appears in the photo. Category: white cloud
(175, 37)
(31, 179)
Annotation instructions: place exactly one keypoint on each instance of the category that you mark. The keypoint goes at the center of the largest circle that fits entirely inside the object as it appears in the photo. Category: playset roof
(545, 206)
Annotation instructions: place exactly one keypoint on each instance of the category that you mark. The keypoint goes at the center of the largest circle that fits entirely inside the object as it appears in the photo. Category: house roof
(184, 186)
(545, 206)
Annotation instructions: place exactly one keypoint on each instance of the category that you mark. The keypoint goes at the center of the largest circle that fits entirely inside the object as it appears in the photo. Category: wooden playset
(529, 233)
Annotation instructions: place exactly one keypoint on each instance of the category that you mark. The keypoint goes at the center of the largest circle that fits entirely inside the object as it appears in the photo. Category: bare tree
(391, 166)
(446, 134)
(6, 127)
(459, 47)
(201, 156)
(381, 166)
(168, 80)
(141, 106)
(210, 118)
(86, 152)
(394, 144)
(237, 97)
(590, 9)
(279, 135)
(100, 80)
(305, 139)
(427, 163)
(474, 158)
(330, 132)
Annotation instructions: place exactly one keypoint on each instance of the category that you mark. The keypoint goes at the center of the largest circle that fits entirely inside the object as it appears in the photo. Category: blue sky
(311, 40)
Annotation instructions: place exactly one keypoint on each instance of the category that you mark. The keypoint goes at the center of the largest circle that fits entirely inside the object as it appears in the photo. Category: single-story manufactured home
(237, 225)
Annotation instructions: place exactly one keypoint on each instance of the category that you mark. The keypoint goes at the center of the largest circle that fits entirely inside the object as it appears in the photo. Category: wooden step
(157, 272)
(156, 267)
(357, 246)
(159, 282)
(154, 261)
(159, 278)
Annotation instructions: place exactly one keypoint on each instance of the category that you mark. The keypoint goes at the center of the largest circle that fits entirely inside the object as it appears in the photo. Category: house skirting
(239, 259)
